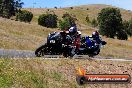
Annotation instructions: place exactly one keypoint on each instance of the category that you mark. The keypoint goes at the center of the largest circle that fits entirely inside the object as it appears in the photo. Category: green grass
(56, 76)
(42, 73)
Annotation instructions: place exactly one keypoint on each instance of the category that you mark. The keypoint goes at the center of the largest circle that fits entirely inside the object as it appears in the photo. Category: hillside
(19, 35)
(80, 12)
(25, 36)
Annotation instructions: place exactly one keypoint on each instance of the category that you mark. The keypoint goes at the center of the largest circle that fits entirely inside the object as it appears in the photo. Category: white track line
(113, 59)
(102, 58)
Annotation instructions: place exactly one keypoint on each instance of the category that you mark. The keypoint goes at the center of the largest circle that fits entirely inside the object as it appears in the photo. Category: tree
(130, 28)
(110, 22)
(125, 27)
(9, 8)
(1, 9)
(55, 7)
(48, 20)
(24, 16)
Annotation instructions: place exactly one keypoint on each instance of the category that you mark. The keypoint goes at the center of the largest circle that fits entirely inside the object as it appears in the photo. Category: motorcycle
(51, 47)
(61, 43)
(90, 47)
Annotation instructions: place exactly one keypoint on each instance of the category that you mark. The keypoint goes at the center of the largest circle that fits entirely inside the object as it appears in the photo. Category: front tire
(97, 52)
(94, 53)
(41, 50)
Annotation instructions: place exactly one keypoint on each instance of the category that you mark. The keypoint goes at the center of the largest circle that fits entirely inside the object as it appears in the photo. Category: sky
(126, 4)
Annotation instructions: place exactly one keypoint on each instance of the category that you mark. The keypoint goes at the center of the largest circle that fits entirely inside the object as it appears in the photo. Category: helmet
(79, 32)
(66, 32)
(73, 29)
(95, 33)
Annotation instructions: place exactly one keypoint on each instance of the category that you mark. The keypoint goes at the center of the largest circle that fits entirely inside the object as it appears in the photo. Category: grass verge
(43, 73)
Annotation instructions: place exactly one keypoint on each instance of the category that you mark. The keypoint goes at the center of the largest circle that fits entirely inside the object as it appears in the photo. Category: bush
(24, 16)
(67, 22)
(71, 18)
(71, 7)
(48, 20)
(87, 19)
(122, 35)
(94, 23)
(110, 22)
(64, 24)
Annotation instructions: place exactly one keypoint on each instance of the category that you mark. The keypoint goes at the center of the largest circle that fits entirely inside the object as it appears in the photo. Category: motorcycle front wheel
(41, 50)
(97, 52)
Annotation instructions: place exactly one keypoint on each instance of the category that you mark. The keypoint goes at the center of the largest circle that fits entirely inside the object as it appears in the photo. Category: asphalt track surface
(6, 53)
(10, 53)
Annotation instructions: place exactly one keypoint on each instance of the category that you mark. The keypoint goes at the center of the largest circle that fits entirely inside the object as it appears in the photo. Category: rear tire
(67, 52)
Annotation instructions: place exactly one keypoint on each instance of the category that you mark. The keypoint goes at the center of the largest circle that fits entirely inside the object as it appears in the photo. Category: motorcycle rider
(66, 38)
(76, 38)
(97, 40)
(89, 42)
(95, 34)
(75, 35)
(96, 37)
